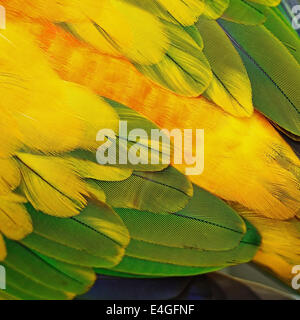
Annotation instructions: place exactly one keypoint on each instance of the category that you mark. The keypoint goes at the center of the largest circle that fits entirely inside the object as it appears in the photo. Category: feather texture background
(71, 68)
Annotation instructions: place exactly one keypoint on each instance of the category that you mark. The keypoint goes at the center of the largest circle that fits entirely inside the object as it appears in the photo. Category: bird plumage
(71, 68)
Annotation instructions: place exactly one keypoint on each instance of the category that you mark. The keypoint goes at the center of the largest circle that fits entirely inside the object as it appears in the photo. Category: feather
(15, 222)
(77, 240)
(227, 165)
(69, 108)
(95, 192)
(141, 37)
(284, 32)
(152, 149)
(27, 288)
(214, 9)
(170, 189)
(243, 12)
(32, 274)
(204, 217)
(149, 269)
(141, 220)
(185, 12)
(149, 259)
(50, 185)
(271, 3)
(279, 251)
(10, 176)
(91, 170)
(231, 87)
(154, 7)
(274, 94)
(3, 251)
(184, 69)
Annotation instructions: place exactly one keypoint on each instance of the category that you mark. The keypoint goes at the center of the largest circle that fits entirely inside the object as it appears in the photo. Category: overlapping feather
(139, 219)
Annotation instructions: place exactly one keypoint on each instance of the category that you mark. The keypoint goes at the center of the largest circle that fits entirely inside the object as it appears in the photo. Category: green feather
(231, 87)
(273, 71)
(184, 68)
(214, 9)
(206, 223)
(245, 13)
(162, 192)
(146, 269)
(95, 238)
(207, 235)
(43, 277)
(147, 259)
(284, 32)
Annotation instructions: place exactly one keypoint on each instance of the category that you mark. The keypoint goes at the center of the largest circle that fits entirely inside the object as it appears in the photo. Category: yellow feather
(2, 248)
(15, 222)
(228, 102)
(66, 116)
(121, 27)
(112, 26)
(91, 110)
(250, 167)
(51, 186)
(10, 135)
(32, 100)
(93, 170)
(280, 249)
(185, 12)
(95, 192)
(9, 175)
(246, 160)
